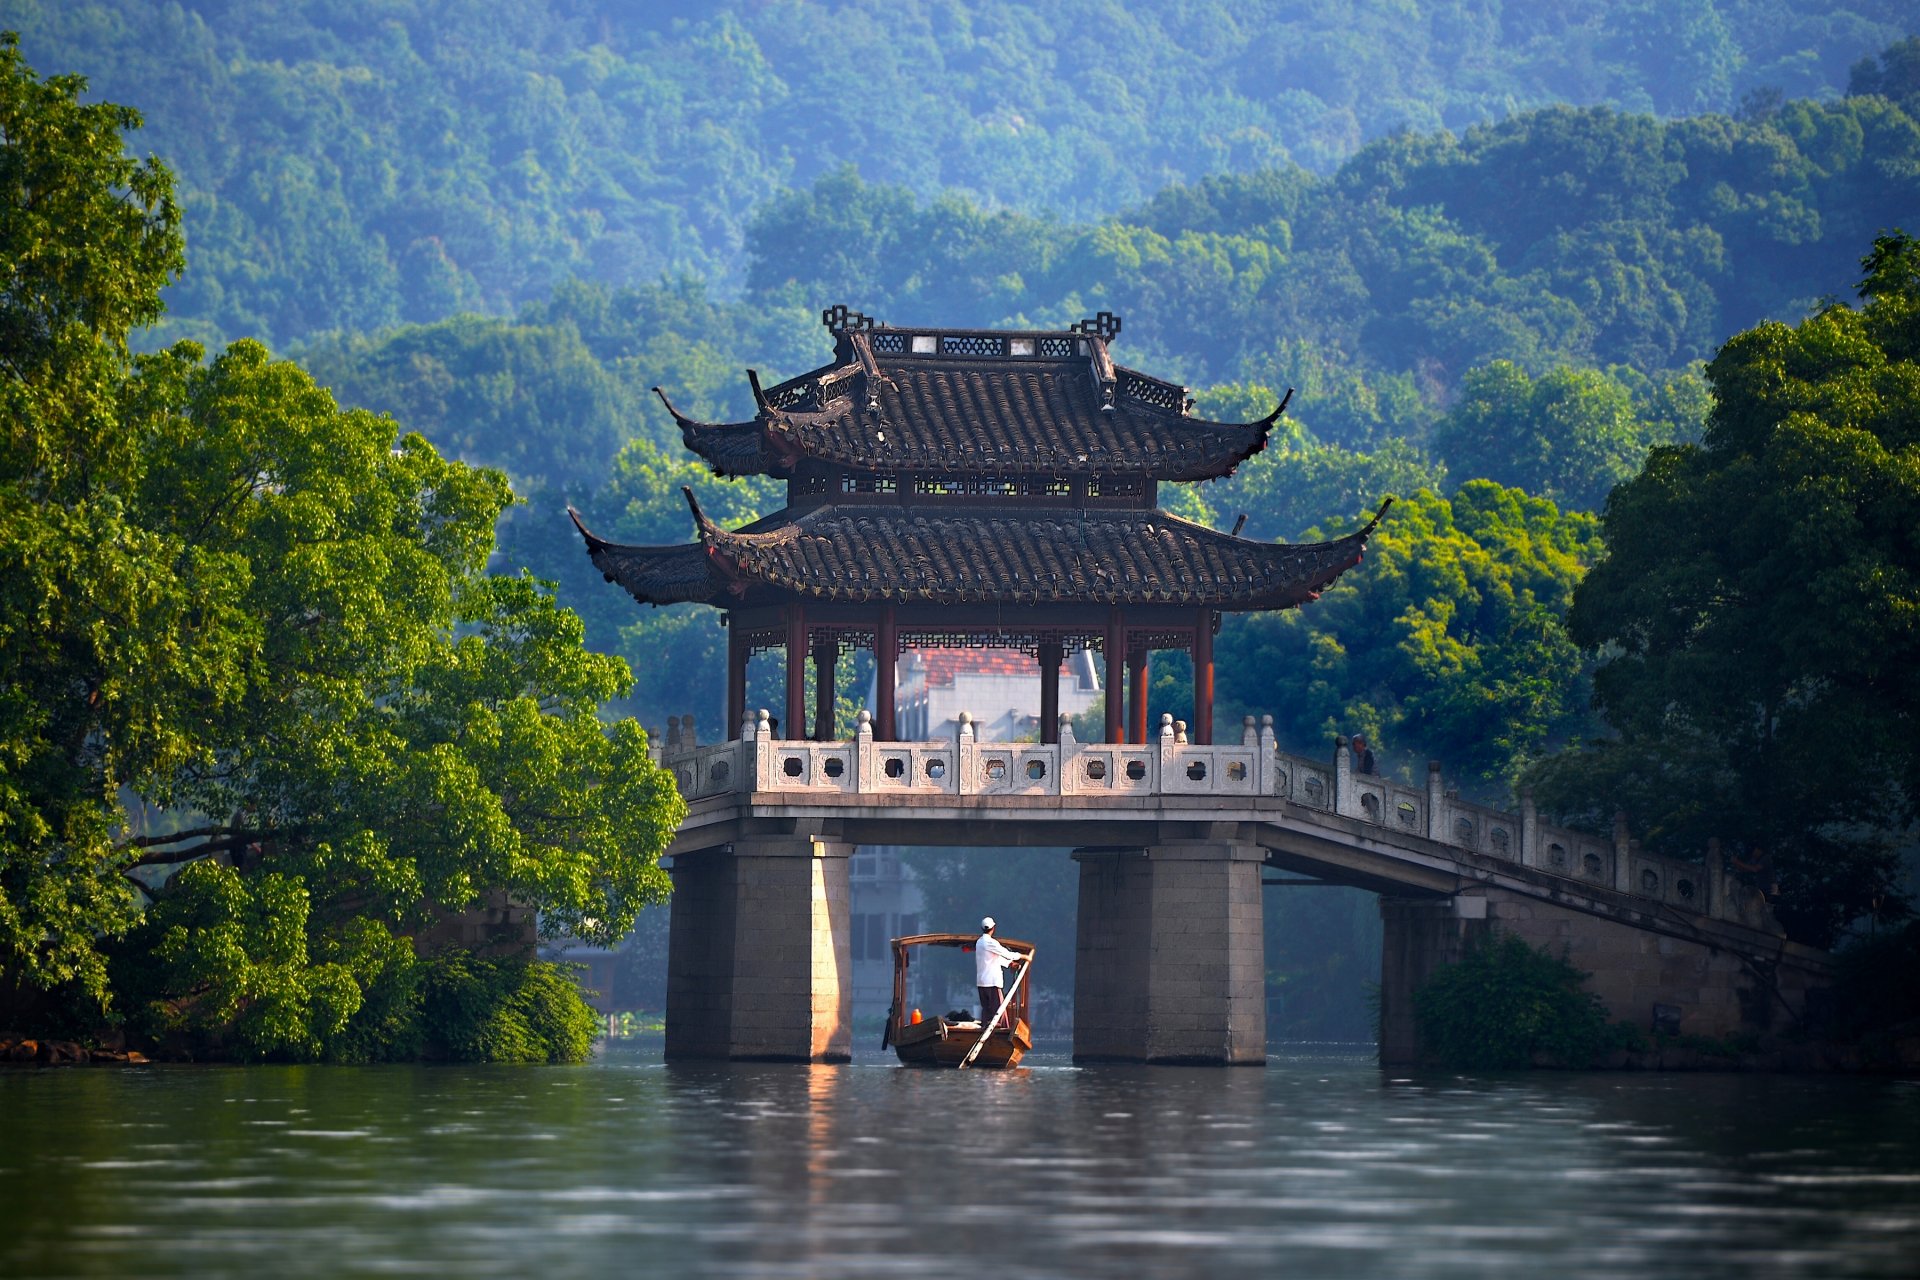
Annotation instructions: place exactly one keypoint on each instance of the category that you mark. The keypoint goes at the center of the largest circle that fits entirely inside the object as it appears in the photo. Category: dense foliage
(357, 163)
(1506, 1004)
(1448, 641)
(248, 633)
(1758, 603)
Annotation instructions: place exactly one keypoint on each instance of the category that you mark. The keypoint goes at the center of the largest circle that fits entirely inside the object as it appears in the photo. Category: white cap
(987, 923)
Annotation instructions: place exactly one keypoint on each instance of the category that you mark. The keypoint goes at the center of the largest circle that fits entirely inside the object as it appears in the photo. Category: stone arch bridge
(1173, 839)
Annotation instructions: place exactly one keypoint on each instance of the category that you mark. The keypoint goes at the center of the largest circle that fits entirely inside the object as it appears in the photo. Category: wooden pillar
(737, 651)
(1052, 652)
(826, 655)
(1137, 697)
(796, 721)
(886, 651)
(1114, 650)
(1203, 678)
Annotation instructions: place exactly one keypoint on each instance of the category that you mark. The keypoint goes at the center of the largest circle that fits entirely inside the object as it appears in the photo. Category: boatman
(990, 961)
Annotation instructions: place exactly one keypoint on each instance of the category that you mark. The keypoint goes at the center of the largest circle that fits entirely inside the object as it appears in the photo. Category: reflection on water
(1319, 1165)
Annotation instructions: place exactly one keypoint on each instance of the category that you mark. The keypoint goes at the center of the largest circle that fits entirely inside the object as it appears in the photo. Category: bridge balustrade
(1171, 766)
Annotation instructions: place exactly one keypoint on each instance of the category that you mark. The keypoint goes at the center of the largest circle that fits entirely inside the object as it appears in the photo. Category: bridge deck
(1313, 817)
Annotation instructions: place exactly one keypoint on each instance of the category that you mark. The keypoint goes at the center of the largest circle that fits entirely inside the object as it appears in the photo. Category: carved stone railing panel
(1190, 770)
(1303, 781)
(1011, 769)
(807, 766)
(928, 767)
(1099, 768)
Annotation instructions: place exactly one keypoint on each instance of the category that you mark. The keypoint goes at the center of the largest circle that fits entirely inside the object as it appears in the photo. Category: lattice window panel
(1027, 642)
(957, 486)
(1154, 392)
(787, 396)
(1153, 640)
(1056, 347)
(889, 344)
(769, 640)
(834, 388)
(808, 485)
(868, 484)
(965, 486)
(1116, 486)
(848, 639)
(971, 344)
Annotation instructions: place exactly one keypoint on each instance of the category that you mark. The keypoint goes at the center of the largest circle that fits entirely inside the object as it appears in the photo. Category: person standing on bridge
(990, 961)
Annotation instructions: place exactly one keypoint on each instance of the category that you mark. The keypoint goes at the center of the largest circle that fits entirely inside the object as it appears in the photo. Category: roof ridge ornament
(1105, 326)
(839, 318)
(594, 542)
(1378, 516)
(701, 525)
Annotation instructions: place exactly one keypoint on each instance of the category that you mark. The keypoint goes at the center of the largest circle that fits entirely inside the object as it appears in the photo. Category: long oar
(1006, 1003)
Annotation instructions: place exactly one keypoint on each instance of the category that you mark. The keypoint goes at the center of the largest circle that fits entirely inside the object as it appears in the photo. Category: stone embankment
(25, 1051)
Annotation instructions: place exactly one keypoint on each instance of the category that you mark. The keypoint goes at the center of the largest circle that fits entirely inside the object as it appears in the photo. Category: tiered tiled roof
(975, 554)
(971, 473)
(976, 402)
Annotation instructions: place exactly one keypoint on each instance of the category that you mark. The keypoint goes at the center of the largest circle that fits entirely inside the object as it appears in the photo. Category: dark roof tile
(1008, 555)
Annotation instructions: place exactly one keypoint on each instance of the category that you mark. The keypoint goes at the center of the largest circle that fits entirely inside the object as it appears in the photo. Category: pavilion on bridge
(993, 489)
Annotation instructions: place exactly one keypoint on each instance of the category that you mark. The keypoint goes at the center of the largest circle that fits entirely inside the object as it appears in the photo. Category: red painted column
(1114, 651)
(736, 679)
(1051, 654)
(1203, 678)
(826, 655)
(886, 652)
(1137, 700)
(795, 725)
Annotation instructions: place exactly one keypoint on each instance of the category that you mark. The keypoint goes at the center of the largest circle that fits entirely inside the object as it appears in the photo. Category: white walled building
(999, 688)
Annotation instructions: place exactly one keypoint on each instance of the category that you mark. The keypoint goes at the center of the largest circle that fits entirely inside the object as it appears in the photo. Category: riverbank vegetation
(268, 722)
(1505, 1004)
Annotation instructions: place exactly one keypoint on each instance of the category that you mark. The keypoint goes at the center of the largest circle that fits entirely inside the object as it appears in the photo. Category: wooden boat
(938, 1041)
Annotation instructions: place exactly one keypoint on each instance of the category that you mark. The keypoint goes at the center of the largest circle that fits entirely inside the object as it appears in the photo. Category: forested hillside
(1525, 304)
(354, 164)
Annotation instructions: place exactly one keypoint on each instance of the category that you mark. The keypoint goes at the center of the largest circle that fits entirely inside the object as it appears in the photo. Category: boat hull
(938, 1043)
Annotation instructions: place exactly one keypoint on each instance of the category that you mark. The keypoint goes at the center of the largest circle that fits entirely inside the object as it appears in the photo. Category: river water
(1320, 1165)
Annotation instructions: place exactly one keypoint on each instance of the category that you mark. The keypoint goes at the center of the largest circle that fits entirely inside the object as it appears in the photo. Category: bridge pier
(1417, 937)
(1170, 960)
(759, 965)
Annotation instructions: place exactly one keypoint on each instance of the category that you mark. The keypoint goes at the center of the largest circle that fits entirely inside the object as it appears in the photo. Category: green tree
(1504, 1003)
(1894, 74)
(90, 237)
(1446, 643)
(1756, 607)
(229, 600)
(1570, 435)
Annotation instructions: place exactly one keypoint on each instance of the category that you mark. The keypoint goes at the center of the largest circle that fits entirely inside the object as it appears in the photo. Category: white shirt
(989, 960)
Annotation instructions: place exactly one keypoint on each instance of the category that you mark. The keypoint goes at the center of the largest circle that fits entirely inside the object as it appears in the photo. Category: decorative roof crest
(839, 318)
(1105, 326)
